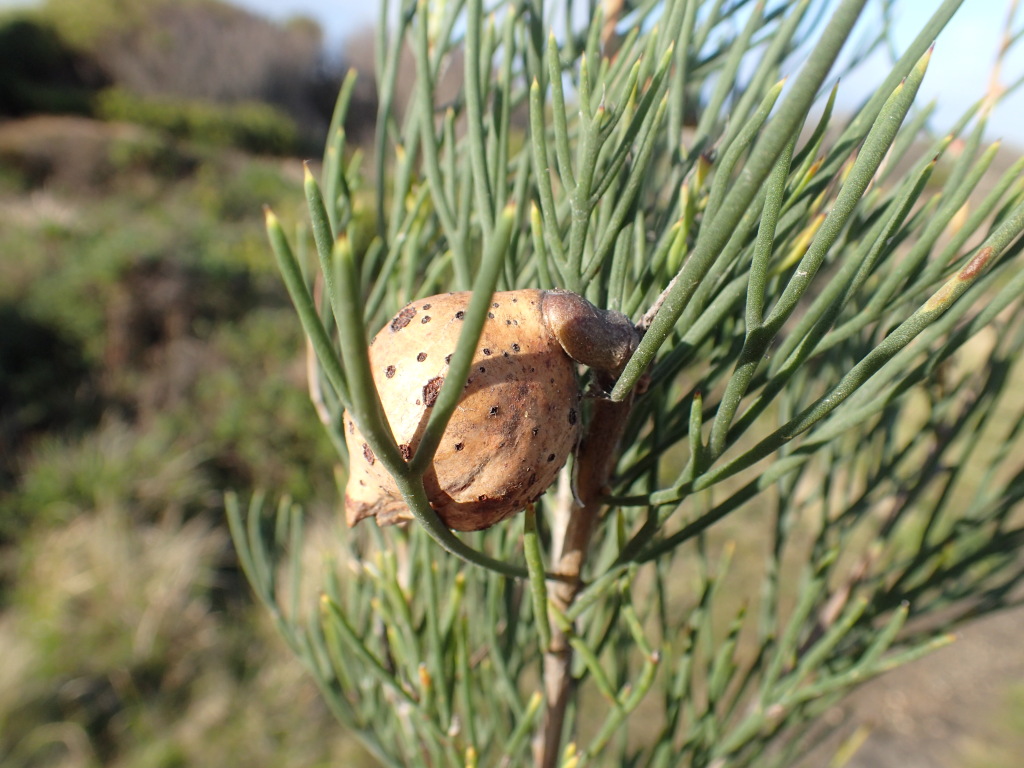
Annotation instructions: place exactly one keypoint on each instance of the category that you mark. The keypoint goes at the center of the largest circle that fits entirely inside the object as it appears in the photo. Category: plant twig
(594, 465)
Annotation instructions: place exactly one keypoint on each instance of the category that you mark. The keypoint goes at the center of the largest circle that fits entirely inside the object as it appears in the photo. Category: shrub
(250, 126)
(197, 51)
(808, 469)
(39, 72)
(120, 648)
(45, 384)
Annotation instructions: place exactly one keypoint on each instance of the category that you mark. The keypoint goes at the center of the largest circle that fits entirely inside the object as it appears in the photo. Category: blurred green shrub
(80, 155)
(233, 190)
(150, 153)
(45, 384)
(172, 62)
(140, 276)
(251, 126)
(120, 648)
(79, 267)
(147, 472)
(39, 72)
(85, 24)
(255, 413)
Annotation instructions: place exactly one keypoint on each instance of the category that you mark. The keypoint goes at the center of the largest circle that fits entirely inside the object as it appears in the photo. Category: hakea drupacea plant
(630, 250)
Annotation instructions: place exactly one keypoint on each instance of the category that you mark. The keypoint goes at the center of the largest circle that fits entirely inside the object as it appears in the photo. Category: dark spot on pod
(493, 411)
(403, 318)
(390, 371)
(486, 351)
(459, 315)
(430, 390)
(426, 306)
(532, 369)
(515, 322)
(481, 497)
(495, 305)
(406, 450)
(351, 427)
(504, 354)
(508, 322)
(368, 454)
(490, 315)
(515, 300)
(421, 357)
(482, 369)
(572, 415)
(459, 446)
(515, 347)
(535, 431)
(426, 319)
(533, 478)
(447, 359)
(552, 380)
(551, 457)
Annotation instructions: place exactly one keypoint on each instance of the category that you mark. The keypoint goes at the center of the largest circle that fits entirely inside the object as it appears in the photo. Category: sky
(958, 73)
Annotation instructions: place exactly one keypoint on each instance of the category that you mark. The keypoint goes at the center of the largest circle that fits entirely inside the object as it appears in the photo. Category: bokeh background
(149, 361)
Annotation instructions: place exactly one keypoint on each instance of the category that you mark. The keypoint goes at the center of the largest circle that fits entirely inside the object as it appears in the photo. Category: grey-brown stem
(595, 463)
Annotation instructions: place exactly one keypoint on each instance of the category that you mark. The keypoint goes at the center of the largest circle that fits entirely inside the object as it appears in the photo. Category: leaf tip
(922, 63)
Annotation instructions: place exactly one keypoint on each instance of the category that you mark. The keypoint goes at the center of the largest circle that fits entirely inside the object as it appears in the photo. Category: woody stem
(575, 521)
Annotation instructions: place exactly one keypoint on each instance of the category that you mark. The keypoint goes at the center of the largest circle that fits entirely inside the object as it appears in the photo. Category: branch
(575, 522)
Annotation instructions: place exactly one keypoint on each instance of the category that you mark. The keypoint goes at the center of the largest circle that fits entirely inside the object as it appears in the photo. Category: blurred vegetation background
(149, 360)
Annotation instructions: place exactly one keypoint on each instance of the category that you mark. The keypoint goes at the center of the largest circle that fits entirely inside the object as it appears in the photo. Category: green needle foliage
(819, 468)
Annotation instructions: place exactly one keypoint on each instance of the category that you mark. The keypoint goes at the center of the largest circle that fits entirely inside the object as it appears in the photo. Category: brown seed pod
(518, 416)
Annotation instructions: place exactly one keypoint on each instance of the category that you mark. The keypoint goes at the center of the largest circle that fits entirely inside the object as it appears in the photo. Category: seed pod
(518, 416)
